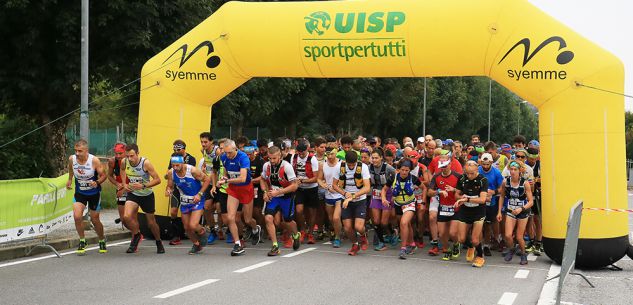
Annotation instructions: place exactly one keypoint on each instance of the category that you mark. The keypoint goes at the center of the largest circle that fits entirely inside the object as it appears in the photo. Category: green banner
(33, 207)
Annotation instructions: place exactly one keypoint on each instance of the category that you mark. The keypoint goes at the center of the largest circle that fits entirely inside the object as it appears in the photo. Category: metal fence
(101, 140)
(252, 133)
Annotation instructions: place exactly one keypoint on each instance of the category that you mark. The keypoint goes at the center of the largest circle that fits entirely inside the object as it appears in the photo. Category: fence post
(43, 240)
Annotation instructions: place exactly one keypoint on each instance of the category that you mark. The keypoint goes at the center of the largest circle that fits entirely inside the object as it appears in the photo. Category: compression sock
(479, 250)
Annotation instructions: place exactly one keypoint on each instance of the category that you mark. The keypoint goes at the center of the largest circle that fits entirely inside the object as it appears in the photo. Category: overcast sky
(608, 23)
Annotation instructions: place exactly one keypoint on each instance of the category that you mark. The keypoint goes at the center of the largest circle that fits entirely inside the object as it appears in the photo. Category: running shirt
(403, 188)
(218, 167)
(84, 174)
(233, 166)
(329, 173)
(350, 184)
(494, 182)
(426, 161)
(188, 185)
(439, 183)
(207, 160)
(116, 170)
(472, 188)
(516, 194)
(501, 162)
(380, 175)
(271, 174)
(137, 174)
(302, 170)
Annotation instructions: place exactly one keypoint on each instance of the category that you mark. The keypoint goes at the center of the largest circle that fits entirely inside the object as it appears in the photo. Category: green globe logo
(318, 22)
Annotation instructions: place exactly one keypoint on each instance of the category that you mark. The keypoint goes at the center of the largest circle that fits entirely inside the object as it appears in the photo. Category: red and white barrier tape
(609, 210)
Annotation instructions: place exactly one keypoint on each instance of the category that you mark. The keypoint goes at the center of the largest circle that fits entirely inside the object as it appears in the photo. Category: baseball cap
(486, 157)
(408, 143)
(443, 164)
(302, 147)
(391, 147)
(506, 147)
(179, 146)
(372, 141)
(177, 159)
(250, 149)
(412, 154)
(421, 139)
(534, 143)
(331, 150)
(330, 138)
(119, 147)
(479, 148)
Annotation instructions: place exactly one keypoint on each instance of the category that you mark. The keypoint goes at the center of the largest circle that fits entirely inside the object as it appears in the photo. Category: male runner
(114, 176)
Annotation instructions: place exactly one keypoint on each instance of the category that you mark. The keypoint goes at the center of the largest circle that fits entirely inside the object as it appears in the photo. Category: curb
(59, 245)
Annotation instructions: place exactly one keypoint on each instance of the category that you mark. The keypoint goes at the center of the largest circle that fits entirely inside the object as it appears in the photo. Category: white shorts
(435, 204)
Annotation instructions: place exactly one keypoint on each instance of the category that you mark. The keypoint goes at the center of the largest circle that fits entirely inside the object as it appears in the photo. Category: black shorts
(446, 213)
(470, 215)
(308, 197)
(355, 209)
(258, 201)
(523, 215)
(146, 203)
(93, 202)
(174, 200)
(223, 198)
(536, 206)
(491, 213)
(207, 194)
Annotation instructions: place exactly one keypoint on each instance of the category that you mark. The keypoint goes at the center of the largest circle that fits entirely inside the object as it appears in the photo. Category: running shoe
(117, 221)
(540, 248)
(229, 238)
(160, 249)
(302, 237)
(420, 244)
(364, 244)
(487, 251)
(403, 253)
(288, 243)
(247, 233)
(336, 243)
(195, 249)
(203, 238)
(354, 250)
(376, 240)
(136, 239)
(311, 239)
(175, 241)
(456, 251)
(524, 260)
(411, 249)
(508, 256)
(295, 241)
(470, 254)
(447, 256)
(102, 247)
(394, 240)
(256, 236)
(434, 251)
(81, 249)
(478, 262)
(380, 247)
(212, 238)
(274, 251)
(237, 250)
(529, 247)
(387, 239)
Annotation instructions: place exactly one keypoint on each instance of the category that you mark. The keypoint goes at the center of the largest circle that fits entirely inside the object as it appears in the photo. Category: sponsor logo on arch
(562, 57)
(182, 56)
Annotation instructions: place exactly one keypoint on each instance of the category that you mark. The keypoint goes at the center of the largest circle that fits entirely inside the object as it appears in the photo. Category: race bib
(186, 200)
(515, 203)
(470, 204)
(136, 179)
(122, 198)
(84, 185)
(419, 199)
(255, 190)
(375, 194)
(447, 210)
(233, 175)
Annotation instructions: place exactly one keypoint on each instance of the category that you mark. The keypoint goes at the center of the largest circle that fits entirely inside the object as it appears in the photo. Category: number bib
(233, 175)
(84, 185)
(375, 194)
(122, 198)
(418, 196)
(447, 210)
(136, 179)
(515, 203)
(186, 200)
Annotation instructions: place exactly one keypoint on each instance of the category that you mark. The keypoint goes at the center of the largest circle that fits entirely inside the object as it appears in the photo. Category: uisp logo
(213, 61)
(318, 22)
(359, 22)
(562, 58)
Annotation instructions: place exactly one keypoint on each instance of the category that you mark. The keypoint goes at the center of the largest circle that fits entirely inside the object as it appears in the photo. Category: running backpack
(308, 165)
(358, 175)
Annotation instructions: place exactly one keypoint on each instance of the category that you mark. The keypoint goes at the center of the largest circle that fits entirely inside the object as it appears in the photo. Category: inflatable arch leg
(510, 41)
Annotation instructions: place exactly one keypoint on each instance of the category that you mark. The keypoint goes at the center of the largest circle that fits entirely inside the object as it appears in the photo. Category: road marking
(521, 274)
(28, 260)
(249, 268)
(299, 252)
(548, 293)
(327, 243)
(531, 257)
(507, 298)
(185, 289)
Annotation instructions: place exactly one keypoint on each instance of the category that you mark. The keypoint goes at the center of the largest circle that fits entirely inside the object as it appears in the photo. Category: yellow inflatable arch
(510, 41)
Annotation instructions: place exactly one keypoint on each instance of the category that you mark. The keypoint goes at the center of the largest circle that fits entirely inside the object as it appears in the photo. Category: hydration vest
(358, 175)
(279, 177)
(308, 166)
(378, 179)
(403, 190)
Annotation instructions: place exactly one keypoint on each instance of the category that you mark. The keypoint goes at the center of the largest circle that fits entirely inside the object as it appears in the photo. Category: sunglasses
(521, 157)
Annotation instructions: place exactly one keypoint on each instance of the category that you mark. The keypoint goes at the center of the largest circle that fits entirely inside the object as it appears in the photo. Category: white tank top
(84, 174)
(328, 174)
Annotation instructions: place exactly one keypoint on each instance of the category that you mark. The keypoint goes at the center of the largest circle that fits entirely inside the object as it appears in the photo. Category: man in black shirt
(174, 201)
(472, 190)
(257, 163)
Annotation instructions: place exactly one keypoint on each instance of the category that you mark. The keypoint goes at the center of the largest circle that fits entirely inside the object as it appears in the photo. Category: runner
(495, 180)
(519, 194)
(209, 153)
(220, 196)
(278, 182)
(187, 179)
(353, 183)
(88, 175)
(535, 228)
(403, 187)
(240, 191)
(443, 185)
(262, 149)
(328, 170)
(380, 172)
(499, 161)
(140, 195)
(176, 223)
(306, 168)
(319, 229)
(114, 176)
(257, 165)
(472, 190)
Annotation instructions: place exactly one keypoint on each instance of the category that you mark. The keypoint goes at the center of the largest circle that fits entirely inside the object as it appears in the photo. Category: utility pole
(84, 127)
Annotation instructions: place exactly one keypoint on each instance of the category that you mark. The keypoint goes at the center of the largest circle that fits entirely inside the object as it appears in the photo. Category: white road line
(299, 252)
(548, 293)
(507, 298)
(28, 260)
(521, 274)
(531, 257)
(249, 268)
(327, 243)
(185, 289)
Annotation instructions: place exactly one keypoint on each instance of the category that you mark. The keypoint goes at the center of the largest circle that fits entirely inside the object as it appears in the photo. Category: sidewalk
(65, 237)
